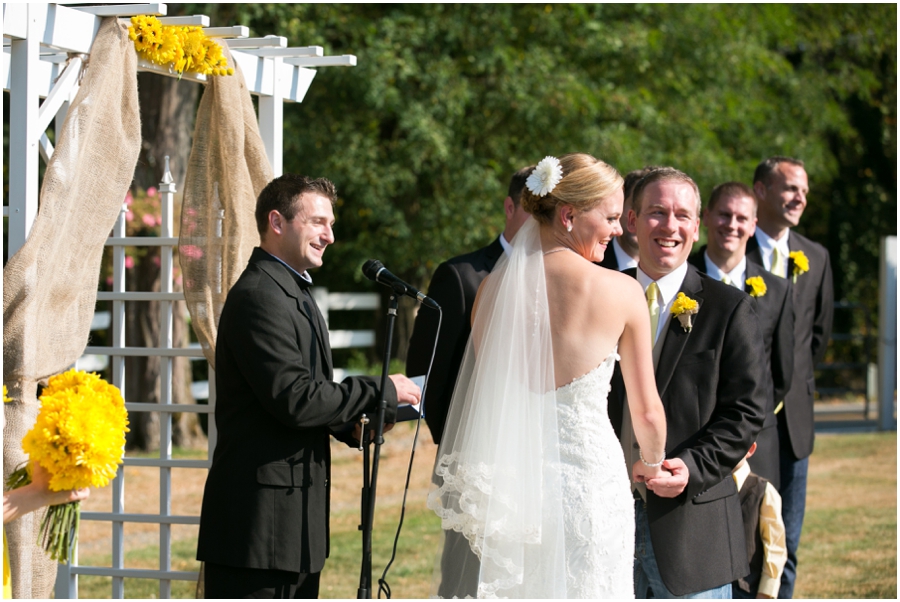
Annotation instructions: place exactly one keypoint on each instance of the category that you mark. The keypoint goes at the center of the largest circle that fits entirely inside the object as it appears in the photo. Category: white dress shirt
(669, 285)
(735, 277)
(624, 260)
(767, 246)
(305, 275)
(771, 530)
(507, 248)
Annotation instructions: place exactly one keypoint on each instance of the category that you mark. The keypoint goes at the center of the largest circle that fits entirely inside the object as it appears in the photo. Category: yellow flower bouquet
(79, 439)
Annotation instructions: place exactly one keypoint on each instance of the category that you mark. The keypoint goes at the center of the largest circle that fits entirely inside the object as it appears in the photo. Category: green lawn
(848, 549)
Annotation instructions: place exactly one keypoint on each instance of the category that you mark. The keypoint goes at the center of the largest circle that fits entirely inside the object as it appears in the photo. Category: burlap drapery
(227, 170)
(50, 285)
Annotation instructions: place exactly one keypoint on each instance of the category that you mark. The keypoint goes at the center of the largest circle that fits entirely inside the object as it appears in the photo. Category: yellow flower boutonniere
(801, 263)
(683, 308)
(757, 286)
(6, 397)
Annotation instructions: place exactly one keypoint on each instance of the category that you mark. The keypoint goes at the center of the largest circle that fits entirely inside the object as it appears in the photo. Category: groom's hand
(673, 485)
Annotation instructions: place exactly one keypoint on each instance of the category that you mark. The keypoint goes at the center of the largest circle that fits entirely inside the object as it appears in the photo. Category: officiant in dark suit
(730, 220)
(710, 372)
(453, 286)
(264, 518)
(781, 186)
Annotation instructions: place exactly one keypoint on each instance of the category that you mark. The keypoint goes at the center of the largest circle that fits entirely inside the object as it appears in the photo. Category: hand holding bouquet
(78, 440)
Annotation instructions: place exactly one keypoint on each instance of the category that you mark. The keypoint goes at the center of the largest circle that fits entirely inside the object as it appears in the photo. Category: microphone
(375, 270)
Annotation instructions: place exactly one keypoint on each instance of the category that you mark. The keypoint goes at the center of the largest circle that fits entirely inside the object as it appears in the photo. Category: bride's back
(587, 313)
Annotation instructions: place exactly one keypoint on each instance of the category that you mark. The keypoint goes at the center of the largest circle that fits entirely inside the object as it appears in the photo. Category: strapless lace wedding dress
(598, 509)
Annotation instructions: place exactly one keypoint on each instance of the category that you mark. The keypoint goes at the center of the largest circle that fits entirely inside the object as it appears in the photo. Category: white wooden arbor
(44, 47)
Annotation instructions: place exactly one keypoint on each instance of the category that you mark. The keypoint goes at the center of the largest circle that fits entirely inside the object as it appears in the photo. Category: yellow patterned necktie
(652, 293)
(778, 263)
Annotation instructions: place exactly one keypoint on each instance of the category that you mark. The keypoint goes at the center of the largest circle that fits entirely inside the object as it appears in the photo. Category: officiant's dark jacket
(453, 286)
(265, 505)
(712, 384)
(813, 303)
(776, 320)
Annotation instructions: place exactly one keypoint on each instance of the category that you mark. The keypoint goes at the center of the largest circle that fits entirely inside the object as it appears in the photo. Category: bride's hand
(641, 473)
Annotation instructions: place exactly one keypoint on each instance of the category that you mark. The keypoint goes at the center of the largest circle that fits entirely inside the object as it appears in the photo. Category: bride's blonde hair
(586, 181)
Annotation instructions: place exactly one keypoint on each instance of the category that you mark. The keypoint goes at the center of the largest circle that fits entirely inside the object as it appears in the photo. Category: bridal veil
(497, 473)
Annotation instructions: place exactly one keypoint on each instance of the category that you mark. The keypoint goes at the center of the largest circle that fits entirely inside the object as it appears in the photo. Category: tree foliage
(447, 101)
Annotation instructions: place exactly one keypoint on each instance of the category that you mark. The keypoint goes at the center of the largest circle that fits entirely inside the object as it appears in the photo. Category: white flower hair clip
(545, 177)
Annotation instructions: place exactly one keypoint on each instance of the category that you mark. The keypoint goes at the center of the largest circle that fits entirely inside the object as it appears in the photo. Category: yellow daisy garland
(183, 48)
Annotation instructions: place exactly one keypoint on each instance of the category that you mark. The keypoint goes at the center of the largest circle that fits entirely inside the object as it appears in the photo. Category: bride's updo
(585, 182)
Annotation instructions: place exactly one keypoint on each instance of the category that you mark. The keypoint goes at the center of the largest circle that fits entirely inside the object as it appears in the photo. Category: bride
(531, 484)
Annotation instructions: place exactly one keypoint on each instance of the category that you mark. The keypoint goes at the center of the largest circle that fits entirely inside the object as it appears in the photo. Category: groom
(689, 538)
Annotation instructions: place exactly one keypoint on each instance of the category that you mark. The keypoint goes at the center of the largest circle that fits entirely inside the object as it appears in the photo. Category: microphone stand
(370, 479)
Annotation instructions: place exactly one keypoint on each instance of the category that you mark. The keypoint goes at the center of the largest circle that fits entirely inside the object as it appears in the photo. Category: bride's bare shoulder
(619, 288)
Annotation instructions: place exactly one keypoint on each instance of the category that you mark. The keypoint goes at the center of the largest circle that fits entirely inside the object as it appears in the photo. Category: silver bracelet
(654, 464)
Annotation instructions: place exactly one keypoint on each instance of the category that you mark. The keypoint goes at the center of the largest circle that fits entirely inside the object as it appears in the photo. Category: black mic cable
(382, 583)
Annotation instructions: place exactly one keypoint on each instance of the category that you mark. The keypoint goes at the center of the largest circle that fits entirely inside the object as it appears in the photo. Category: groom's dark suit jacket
(265, 505)
(712, 384)
(776, 319)
(453, 286)
(813, 302)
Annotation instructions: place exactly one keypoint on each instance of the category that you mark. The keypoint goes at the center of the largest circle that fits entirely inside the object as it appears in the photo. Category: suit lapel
(754, 254)
(492, 253)
(676, 336)
(306, 305)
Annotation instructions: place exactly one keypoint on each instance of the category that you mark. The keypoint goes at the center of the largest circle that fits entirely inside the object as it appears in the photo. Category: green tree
(447, 101)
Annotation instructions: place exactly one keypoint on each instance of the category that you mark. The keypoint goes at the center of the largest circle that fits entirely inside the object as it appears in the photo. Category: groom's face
(667, 226)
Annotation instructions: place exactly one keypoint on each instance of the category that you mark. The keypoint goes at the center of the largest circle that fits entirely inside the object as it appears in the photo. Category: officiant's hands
(673, 484)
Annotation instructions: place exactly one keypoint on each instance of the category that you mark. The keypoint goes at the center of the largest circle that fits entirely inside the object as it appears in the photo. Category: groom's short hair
(662, 174)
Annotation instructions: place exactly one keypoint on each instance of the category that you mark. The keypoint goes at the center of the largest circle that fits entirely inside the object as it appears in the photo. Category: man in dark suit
(624, 247)
(453, 286)
(708, 357)
(264, 518)
(781, 186)
(730, 220)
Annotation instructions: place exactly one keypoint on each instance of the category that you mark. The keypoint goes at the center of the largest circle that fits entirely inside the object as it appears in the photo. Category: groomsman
(453, 286)
(730, 220)
(781, 186)
(624, 246)
(710, 372)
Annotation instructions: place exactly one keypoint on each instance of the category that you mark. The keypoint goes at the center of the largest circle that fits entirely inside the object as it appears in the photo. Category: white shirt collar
(767, 246)
(669, 285)
(624, 260)
(305, 275)
(741, 472)
(507, 248)
(735, 276)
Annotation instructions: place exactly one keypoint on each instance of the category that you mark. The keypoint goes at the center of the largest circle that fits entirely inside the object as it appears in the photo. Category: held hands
(641, 473)
(673, 482)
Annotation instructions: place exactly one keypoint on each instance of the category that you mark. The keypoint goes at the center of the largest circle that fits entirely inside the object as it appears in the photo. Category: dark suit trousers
(222, 581)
